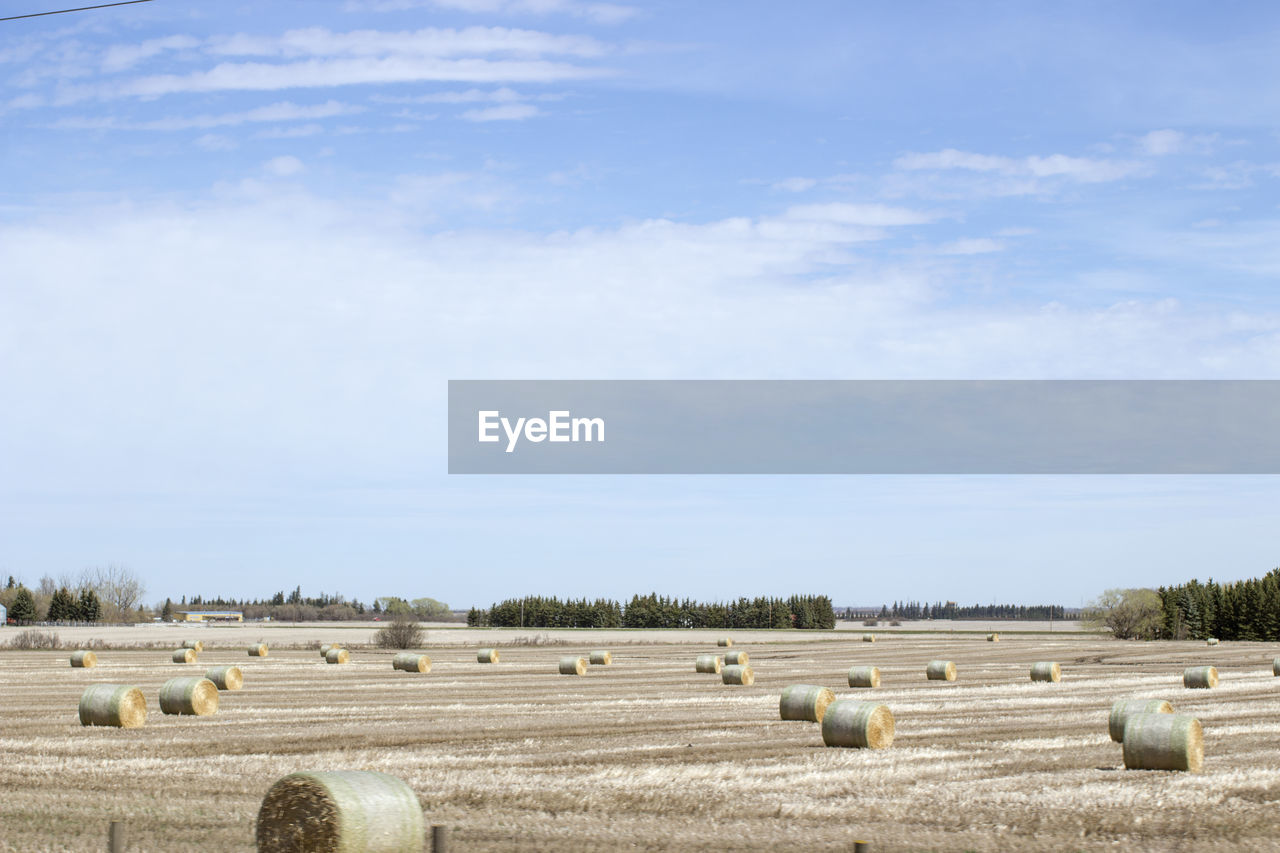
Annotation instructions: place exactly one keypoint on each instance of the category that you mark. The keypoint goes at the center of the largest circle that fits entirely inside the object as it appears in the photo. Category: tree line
(950, 610)
(105, 594)
(654, 611)
(1237, 610)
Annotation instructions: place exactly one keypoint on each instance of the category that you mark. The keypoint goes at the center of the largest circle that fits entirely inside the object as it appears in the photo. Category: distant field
(648, 755)
(453, 633)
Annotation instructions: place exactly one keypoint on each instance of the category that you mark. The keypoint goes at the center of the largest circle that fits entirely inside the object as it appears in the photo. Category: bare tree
(118, 587)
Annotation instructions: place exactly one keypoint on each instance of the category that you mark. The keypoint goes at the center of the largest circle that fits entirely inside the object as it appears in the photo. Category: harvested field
(673, 760)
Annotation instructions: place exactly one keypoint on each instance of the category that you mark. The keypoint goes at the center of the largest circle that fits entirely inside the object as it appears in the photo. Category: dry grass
(672, 761)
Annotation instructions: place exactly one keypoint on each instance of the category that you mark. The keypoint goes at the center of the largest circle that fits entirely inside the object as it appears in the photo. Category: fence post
(439, 839)
(115, 837)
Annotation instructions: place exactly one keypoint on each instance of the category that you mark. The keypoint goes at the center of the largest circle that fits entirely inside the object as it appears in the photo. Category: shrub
(870, 623)
(33, 639)
(402, 633)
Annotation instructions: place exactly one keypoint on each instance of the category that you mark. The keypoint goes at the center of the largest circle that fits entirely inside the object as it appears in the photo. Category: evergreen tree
(24, 606)
(89, 607)
(166, 612)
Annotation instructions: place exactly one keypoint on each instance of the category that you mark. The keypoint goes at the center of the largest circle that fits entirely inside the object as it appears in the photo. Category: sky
(244, 246)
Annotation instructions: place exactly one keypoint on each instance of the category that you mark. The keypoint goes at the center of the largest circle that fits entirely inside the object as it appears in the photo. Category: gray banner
(864, 427)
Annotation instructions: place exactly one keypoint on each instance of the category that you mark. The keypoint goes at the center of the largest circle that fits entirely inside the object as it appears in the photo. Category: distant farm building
(209, 615)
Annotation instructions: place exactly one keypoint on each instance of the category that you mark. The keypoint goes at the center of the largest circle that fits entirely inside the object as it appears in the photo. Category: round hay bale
(573, 665)
(258, 650)
(724, 642)
(1122, 709)
(225, 677)
(738, 674)
(601, 658)
(805, 702)
(737, 658)
(1163, 742)
(337, 655)
(344, 810)
(1212, 641)
(868, 638)
(861, 725)
(198, 645)
(993, 638)
(191, 695)
(1200, 676)
(411, 662)
(324, 649)
(1275, 666)
(940, 670)
(864, 676)
(82, 659)
(1046, 671)
(113, 705)
(708, 663)
(184, 655)
(487, 656)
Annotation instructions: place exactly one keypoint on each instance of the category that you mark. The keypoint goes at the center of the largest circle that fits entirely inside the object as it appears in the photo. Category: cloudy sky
(243, 246)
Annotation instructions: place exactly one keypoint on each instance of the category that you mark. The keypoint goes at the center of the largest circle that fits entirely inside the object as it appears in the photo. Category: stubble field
(646, 754)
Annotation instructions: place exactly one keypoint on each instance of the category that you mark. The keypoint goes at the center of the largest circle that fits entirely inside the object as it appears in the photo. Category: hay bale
(198, 645)
(805, 702)
(861, 725)
(1275, 666)
(189, 695)
(337, 655)
(1212, 641)
(724, 642)
(1200, 676)
(349, 811)
(572, 665)
(868, 638)
(940, 670)
(737, 658)
(184, 655)
(1163, 742)
(738, 674)
(113, 705)
(258, 650)
(324, 649)
(1122, 709)
(82, 659)
(864, 676)
(1046, 671)
(708, 663)
(225, 677)
(993, 638)
(601, 658)
(487, 656)
(411, 662)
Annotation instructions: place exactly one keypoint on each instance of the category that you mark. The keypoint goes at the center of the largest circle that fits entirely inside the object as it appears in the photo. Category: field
(648, 755)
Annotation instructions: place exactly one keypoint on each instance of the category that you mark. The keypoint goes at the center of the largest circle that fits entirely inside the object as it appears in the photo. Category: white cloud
(468, 96)
(430, 42)
(262, 77)
(503, 112)
(294, 132)
(795, 185)
(282, 111)
(600, 13)
(283, 166)
(123, 56)
(971, 246)
(1161, 142)
(843, 213)
(216, 142)
(1082, 169)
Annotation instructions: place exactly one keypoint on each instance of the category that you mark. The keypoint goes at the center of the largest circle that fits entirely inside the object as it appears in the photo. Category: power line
(80, 9)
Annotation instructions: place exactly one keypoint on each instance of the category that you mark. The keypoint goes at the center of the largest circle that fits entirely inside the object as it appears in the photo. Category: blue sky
(243, 247)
